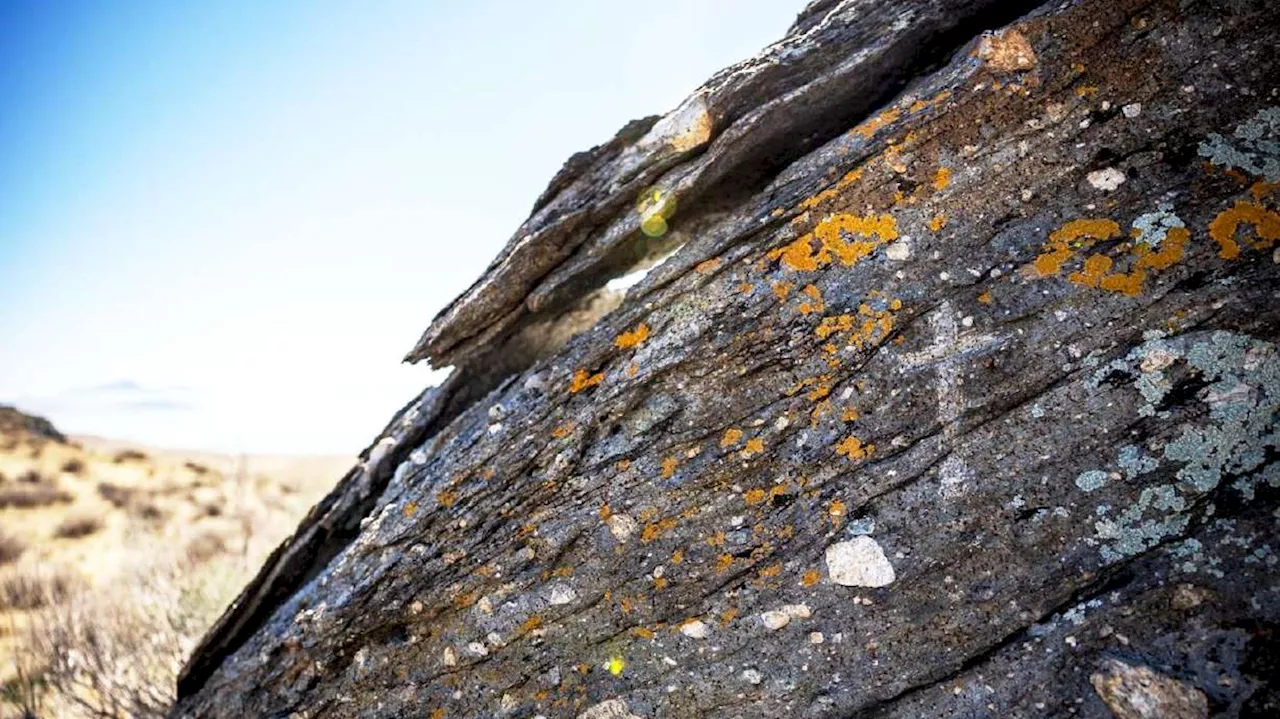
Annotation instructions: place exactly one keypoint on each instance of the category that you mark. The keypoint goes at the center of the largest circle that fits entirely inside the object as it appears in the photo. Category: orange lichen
(728, 615)
(563, 430)
(1066, 240)
(643, 632)
(531, 624)
(731, 437)
(1086, 91)
(985, 298)
(869, 127)
(723, 562)
(706, 266)
(746, 287)
(754, 446)
(659, 583)
(656, 529)
(1262, 190)
(716, 540)
(849, 414)
(810, 578)
(447, 498)
(782, 289)
(1096, 270)
(438, 714)
(677, 556)
(410, 508)
(669, 467)
(632, 369)
(1223, 228)
(754, 497)
(1007, 51)
(942, 178)
(632, 338)
(937, 222)
(583, 379)
(850, 177)
(770, 571)
(853, 448)
(836, 511)
(830, 233)
(815, 303)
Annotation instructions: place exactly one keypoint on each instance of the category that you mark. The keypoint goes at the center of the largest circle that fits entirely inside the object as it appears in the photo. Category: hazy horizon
(223, 224)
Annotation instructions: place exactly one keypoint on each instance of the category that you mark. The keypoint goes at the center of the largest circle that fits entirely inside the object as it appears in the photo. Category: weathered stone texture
(957, 398)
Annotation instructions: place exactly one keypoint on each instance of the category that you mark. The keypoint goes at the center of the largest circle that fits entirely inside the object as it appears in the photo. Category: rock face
(966, 344)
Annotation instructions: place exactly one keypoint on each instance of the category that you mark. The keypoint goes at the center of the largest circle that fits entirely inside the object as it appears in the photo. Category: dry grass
(114, 561)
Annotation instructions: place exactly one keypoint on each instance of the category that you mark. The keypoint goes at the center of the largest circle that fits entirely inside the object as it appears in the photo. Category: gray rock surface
(978, 299)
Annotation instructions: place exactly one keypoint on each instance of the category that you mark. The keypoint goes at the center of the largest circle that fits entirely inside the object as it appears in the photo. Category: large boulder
(955, 395)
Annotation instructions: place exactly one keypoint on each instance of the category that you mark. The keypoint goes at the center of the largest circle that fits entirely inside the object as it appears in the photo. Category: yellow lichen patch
(643, 632)
(615, 665)
(754, 496)
(937, 222)
(810, 578)
(854, 448)
(849, 414)
(632, 370)
(632, 338)
(583, 379)
(716, 540)
(723, 562)
(797, 256)
(1086, 91)
(659, 583)
(819, 410)
(746, 288)
(438, 714)
(782, 289)
(985, 298)
(869, 127)
(669, 467)
(706, 266)
(1262, 190)
(1065, 241)
(1170, 252)
(530, 624)
(410, 508)
(447, 498)
(821, 388)
(942, 178)
(1007, 51)
(879, 229)
(731, 437)
(677, 556)
(1223, 228)
(850, 177)
(754, 446)
(563, 430)
(728, 615)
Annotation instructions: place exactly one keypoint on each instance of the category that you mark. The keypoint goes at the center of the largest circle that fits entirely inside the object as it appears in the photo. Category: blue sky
(222, 224)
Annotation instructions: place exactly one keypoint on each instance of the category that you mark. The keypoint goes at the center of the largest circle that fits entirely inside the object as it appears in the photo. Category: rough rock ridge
(955, 395)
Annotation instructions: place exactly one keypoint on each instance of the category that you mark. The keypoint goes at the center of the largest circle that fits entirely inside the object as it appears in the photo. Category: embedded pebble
(451, 657)
(775, 619)
(1106, 179)
(816, 638)
(859, 562)
(560, 594)
(622, 526)
(695, 628)
(1132, 110)
(609, 709)
(751, 676)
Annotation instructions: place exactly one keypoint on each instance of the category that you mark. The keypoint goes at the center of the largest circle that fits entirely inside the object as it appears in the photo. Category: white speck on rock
(898, 251)
(611, 709)
(859, 562)
(560, 594)
(451, 657)
(478, 649)
(418, 456)
(622, 526)
(797, 611)
(695, 628)
(1132, 110)
(816, 638)
(775, 619)
(752, 676)
(1106, 179)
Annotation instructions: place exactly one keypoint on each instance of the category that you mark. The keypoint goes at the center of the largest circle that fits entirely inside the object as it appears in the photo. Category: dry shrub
(31, 496)
(78, 526)
(11, 548)
(129, 455)
(75, 465)
(118, 496)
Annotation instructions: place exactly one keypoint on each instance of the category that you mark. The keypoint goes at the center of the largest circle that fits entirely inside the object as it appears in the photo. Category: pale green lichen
(1242, 392)
(1254, 148)
(1153, 227)
(1091, 480)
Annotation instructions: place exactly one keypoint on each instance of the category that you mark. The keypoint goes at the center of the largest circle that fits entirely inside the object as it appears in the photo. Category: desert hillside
(114, 558)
